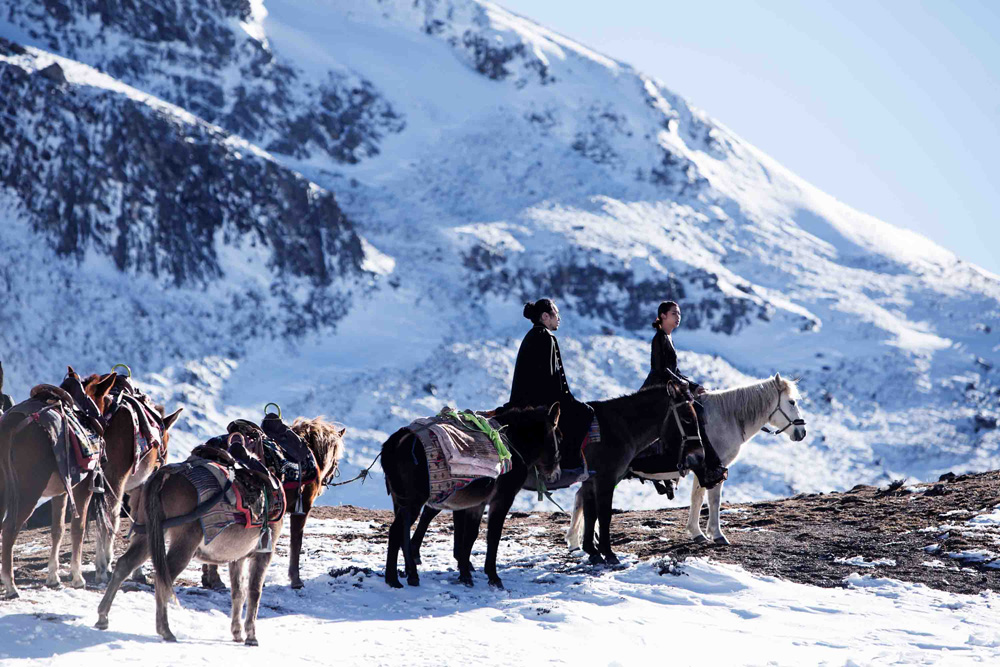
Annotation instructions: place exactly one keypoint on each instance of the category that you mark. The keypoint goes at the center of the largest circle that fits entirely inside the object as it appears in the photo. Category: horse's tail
(154, 528)
(574, 536)
(389, 465)
(103, 515)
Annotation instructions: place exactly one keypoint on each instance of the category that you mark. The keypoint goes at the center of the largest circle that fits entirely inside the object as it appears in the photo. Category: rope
(483, 425)
(543, 491)
(363, 475)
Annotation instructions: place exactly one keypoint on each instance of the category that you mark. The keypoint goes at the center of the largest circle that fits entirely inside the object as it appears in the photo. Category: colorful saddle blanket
(458, 453)
(77, 447)
(246, 498)
(147, 422)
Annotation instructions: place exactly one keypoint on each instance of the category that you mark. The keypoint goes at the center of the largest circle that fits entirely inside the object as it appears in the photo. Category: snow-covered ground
(699, 612)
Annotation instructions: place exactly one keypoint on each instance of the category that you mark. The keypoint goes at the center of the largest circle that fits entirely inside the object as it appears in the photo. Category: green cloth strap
(483, 425)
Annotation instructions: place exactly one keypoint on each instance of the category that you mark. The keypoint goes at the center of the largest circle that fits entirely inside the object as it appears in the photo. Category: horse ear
(70, 372)
(554, 412)
(104, 385)
(341, 432)
(169, 421)
(777, 378)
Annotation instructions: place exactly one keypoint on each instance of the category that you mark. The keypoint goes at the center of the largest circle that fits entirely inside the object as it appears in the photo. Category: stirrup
(264, 545)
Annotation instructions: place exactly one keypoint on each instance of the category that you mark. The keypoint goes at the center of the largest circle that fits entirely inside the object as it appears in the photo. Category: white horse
(732, 418)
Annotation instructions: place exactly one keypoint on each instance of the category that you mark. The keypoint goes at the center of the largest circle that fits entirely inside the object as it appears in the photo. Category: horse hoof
(466, 581)
(102, 624)
(11, 595)
(79, 583)
(394, 583)
(54, 585)
(612, 559)
(237, 639)
(496, 583)
(596, 559)
(700, 539)
(251, 641)
(412, 581)
(169, 637)
(722, 541)
(296, 585)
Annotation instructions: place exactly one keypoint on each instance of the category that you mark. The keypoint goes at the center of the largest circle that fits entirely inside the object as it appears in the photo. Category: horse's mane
(748, 402)
(324, 438)
(614, 402)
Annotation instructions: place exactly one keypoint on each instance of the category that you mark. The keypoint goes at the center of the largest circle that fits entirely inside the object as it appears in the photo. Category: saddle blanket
(246, 502)
(289, 458)
(456, 456)
(77, 449)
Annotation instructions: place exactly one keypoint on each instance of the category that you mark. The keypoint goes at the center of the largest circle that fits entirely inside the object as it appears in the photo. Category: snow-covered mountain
(341, 205)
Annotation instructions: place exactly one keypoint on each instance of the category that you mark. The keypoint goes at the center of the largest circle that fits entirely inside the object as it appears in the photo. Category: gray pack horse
(732, 418)
(168, 505)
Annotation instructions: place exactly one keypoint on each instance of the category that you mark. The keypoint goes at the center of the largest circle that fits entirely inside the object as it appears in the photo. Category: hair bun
(529, 310)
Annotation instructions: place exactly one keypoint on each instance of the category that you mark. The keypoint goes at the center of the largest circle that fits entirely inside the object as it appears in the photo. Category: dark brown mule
(122, 471)
(30, 472)
(326, 442)
(169, 495)
(533, 438)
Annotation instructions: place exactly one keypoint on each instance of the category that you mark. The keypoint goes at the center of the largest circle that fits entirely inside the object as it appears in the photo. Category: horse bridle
(791, 422)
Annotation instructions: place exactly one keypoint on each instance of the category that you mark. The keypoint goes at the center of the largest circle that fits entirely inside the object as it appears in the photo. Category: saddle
(147, 422)
(234, 488)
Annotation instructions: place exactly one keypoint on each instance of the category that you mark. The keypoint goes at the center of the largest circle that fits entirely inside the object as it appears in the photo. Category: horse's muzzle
(799, 433)
(554, 475)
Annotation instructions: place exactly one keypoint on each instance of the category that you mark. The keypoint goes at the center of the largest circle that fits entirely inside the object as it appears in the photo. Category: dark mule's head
(548, 465)
(681, 424)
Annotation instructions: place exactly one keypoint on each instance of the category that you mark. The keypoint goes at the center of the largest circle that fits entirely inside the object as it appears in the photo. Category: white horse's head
(786, 415)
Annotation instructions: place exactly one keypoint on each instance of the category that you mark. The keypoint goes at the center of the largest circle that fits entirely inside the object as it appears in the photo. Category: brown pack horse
(326, 442)
(167, 505)
(30, 473)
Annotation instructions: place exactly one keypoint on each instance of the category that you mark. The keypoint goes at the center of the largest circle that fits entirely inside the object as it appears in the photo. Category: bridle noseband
(791, 422)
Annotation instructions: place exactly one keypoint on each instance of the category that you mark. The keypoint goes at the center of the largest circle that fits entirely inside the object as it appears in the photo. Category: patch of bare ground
(904, 533)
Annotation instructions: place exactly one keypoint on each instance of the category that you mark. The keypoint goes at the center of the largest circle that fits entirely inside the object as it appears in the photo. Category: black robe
(663, 362)
(540, 381)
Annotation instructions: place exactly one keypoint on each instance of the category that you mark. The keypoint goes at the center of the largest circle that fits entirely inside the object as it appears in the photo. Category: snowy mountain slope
(524, 164)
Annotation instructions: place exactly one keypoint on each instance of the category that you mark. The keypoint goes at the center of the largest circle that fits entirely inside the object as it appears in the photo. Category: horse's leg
(58, 527)
(458, 543)
(298, 524)
(239, 591)
(82, 495)
(182, 549)
(714, 523)
(106, 539)
(499, 506)
(410, 514)
(604, 497)
(426, 516)
(589, 520)
(28, 485)
(258, 568)
(136, 554)
(470, 520)
(392, 554)
(694, 512)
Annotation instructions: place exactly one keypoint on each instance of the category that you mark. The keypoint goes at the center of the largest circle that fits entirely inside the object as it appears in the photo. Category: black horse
(629, 425)
(533, 438)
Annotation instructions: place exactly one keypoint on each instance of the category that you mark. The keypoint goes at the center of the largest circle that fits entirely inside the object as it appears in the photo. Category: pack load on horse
(51, 445)
(136, 437)
(461, 462)
(221, 505)
(305, 457)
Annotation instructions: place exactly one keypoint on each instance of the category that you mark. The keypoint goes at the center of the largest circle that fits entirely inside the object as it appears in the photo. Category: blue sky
(892, 106)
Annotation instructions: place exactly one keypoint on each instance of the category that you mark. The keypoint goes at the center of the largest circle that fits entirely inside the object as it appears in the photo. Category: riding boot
(715, 472)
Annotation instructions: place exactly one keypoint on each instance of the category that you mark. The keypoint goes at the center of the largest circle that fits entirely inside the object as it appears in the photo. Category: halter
(791, 422)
